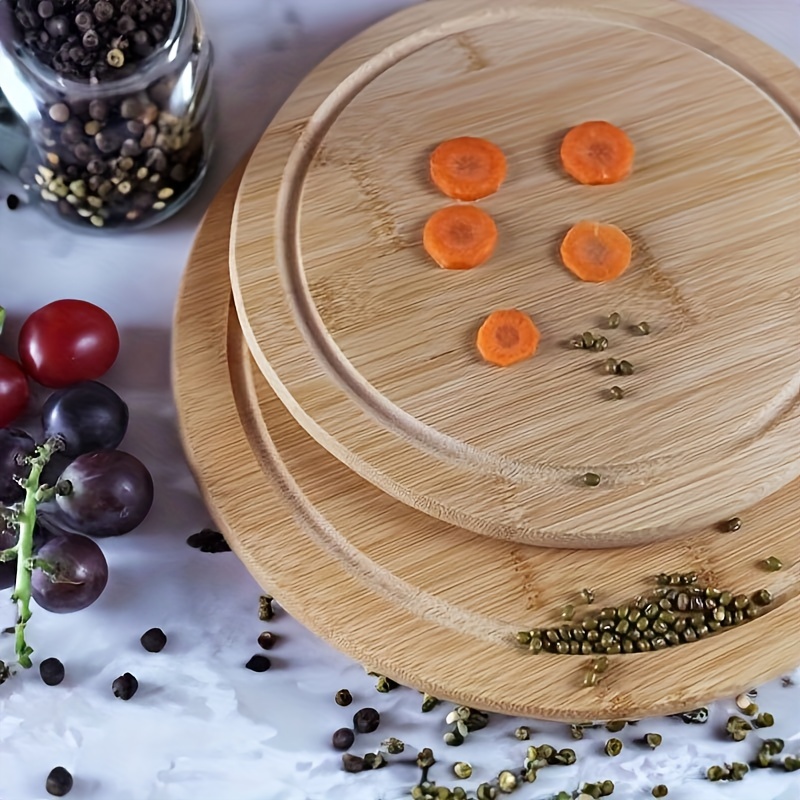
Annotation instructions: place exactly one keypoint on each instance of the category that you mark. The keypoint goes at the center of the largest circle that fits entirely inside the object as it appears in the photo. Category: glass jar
(110, 142)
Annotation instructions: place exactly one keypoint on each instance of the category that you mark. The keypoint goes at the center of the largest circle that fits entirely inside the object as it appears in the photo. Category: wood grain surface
(371, 346)
(432, 606)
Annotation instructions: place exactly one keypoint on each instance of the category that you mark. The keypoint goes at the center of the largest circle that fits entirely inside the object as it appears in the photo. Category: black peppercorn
(259, 663)
(125, 686)
(51, 671)
(59, 782)
(208, 540)
(57, 26)
(90, 40)
(343, 738)
(126, 24)
(343, 697)
(153, 640)
(366, 720)
(12, 201)
(266, 640)
(84, 21)
(352, 763)
(103, 11)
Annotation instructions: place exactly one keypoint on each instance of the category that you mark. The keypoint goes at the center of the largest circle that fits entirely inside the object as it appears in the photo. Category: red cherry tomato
(66, 342)
(13, 391)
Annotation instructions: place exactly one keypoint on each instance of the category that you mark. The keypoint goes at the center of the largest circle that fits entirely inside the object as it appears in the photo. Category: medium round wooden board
(371, 346)
(427, 604)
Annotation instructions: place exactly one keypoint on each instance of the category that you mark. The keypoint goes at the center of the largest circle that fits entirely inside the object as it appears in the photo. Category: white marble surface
(201, 726)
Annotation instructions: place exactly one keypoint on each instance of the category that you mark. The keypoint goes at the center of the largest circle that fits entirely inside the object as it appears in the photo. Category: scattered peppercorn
(266, 640)
(59, 782)
(125, 686)
(462, 770)
(653, 740)
(429, 702)
(51, 671)
(343, 738)
(154, 640)
(258, 663)
(613, 747)
(660, 790)
(343, 697)
(764, 720)
(384, 684)
(486, 791)
(731, 525)
(591, 479)
(737, 771)
(507, 781)
(12, 201)
(374, 761)
(352, 763)
(208, 541)
(523, 733)
(773, 564)
(366, 720)
(265, 610)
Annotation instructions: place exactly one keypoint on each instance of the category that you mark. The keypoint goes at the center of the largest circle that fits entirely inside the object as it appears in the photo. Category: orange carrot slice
(459, 237)
(597, 153)
(468, 168)
(595, 252)
(507, 336)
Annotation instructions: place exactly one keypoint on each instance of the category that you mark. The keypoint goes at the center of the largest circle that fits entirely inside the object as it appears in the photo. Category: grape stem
(46, 493)
(25, 522)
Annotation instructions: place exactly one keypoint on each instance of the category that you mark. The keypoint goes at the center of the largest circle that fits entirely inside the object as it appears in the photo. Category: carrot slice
(468, 168)
(595, 252)
(459, 237)
(597, 153)
(507, 336)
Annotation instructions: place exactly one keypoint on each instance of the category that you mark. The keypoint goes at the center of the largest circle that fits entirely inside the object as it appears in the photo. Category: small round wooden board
(371, 346)
(429, 605)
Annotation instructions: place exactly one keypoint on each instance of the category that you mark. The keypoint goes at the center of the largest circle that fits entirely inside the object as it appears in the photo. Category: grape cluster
(89, 488)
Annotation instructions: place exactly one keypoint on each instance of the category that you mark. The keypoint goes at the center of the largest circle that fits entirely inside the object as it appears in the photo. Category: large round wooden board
(433, 606)
(371, 346)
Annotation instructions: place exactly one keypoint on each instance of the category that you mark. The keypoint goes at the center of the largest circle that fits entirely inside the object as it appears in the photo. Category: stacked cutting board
(416, 506)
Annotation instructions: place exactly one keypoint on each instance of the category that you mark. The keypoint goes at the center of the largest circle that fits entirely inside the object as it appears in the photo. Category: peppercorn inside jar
(115, 97)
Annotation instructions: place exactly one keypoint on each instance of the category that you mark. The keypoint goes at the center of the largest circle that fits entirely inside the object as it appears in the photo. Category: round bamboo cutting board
(371, 346)
(427, 604)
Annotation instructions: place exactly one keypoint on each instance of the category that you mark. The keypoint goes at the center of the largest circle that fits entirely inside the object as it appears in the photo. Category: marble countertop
(202, 726)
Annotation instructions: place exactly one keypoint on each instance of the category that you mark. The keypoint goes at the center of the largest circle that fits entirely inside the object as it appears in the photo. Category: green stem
(25, 523)
(2, 318)
(8, 555)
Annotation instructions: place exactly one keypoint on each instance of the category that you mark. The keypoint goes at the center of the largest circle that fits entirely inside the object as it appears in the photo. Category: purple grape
(53, 468)
(14, 444)
(111, 493)
(80, 574)
(8, 569)
(8, 538)
(89, 416)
